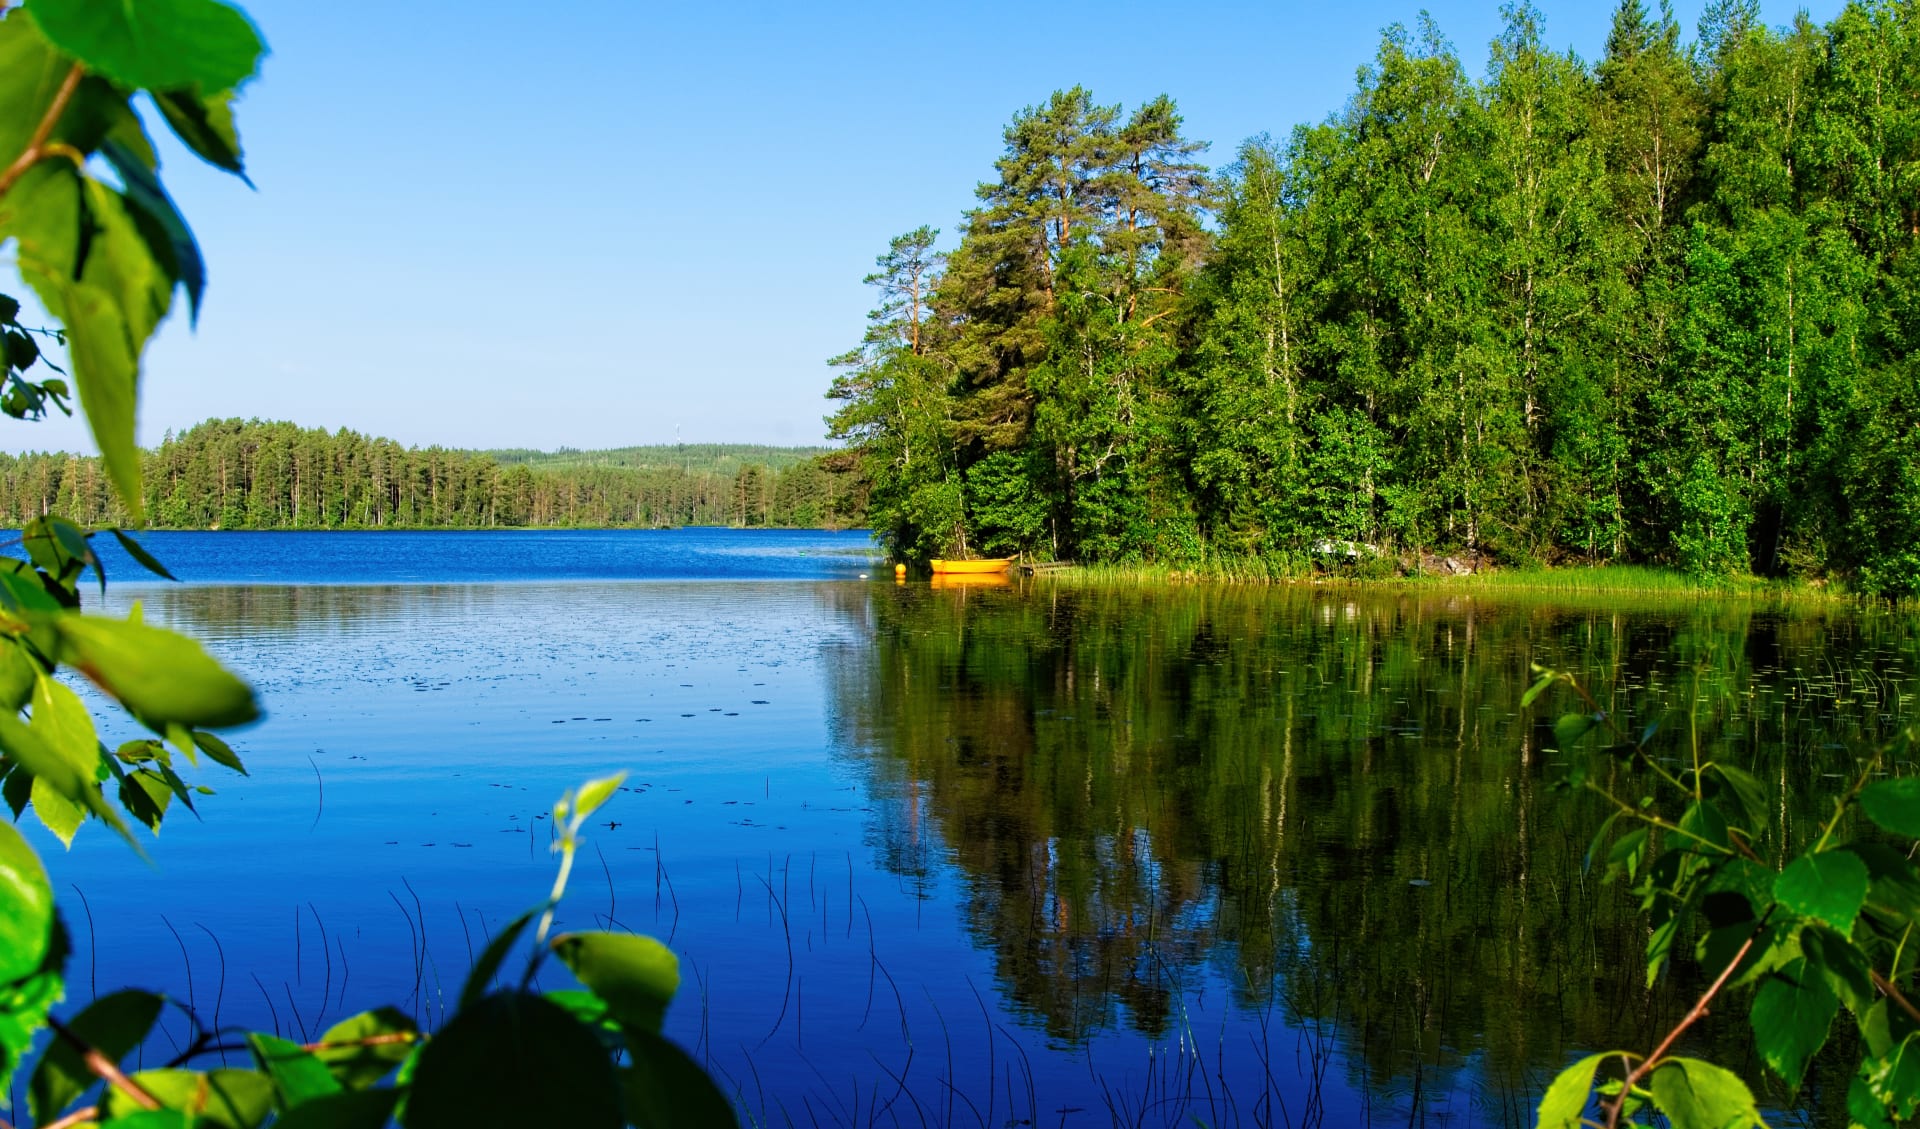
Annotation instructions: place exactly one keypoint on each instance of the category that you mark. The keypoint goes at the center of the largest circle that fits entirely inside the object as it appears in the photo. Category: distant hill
(689, 458)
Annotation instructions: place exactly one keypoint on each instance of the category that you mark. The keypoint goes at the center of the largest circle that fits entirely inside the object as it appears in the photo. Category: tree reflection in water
(1329, 798)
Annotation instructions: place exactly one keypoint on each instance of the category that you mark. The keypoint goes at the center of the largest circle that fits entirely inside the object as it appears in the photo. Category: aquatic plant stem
(1643, 816)
(1699, 1009)
(1841, 805)
(567, 846)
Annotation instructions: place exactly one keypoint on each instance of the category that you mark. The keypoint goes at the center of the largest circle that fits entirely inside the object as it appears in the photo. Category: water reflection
(1330, 800)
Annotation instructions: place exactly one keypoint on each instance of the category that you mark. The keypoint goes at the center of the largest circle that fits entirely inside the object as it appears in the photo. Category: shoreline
(1571, 581)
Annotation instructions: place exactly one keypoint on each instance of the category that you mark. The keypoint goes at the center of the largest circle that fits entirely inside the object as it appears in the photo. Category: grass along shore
(1576, 580)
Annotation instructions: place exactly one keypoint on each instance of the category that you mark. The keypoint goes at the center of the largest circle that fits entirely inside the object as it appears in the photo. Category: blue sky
(596, 223)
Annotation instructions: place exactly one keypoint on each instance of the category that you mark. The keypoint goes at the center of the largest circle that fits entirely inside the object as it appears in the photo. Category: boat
(971, 568)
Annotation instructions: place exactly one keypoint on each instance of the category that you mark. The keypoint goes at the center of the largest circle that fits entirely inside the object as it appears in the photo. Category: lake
(992, 856)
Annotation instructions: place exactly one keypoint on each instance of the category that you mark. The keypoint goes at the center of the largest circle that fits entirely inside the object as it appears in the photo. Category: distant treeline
(253, 474)
(691, 458)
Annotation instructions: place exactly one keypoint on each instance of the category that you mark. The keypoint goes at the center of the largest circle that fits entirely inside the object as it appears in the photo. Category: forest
(1653, 308)
(249, 474)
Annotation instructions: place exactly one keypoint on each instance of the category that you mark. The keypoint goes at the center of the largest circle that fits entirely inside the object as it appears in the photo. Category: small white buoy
(863, 576)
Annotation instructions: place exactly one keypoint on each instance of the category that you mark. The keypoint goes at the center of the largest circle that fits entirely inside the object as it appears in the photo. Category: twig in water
(465, 932)
(326, 984)
(786, 996)
(93, 950)
(319, 795)
(220, 991)
(184, 959)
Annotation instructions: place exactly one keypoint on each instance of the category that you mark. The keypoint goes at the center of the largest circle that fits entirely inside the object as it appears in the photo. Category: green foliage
(155, 44)
(1821, 929)
(1655, 309)
(26, 907)
(636, 976)
(113, 1025)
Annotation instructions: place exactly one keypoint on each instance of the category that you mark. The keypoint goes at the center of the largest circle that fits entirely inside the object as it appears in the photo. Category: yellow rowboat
(971, 568)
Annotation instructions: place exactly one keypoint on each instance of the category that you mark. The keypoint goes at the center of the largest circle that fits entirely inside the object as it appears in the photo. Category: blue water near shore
(478, 556)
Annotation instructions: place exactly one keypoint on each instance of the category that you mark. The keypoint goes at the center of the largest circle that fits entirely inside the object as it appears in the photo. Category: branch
(1894, 994)
(81, 1116)
(105, 1067)
(1699, 1009)
(36, 145)
(387, 1038)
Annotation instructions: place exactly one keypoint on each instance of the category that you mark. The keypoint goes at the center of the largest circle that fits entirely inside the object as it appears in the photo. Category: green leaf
(205, 125)
(512, 1059)
(1895, 890)
(298, 1077)
(1704, 821)
(57, 546)
(1570, 728)
(113, 1025)
(225, 1098)
(153, 1119)
(1863, 1109)
(26, 907)
(31, 71)
(1699, 1095)
(1829, 887)
(1842, 965)
(1627, 853)
(1748, 879)
(105, 367)
(1599, 837)
(161, 677)
(139, 553)
(351, 1109)
(1894, 1078)
(1567, 1097)
(146, 795)
(218, 751)
(57, 812)
(1539, 687)
(169, 240)
(55, 771)
(1748, 794)
(1894, 805)
(155, 44)
(591, 1012)
(18, 789)
(594, 793)
(24, 1007)
(637, 976)
(62, 721)
(1791, 1014)
(665, 1089)
(17, 674)
(480, 979)
(363, 1049)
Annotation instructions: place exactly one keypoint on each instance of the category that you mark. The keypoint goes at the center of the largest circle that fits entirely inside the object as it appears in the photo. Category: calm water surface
(986, 856)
